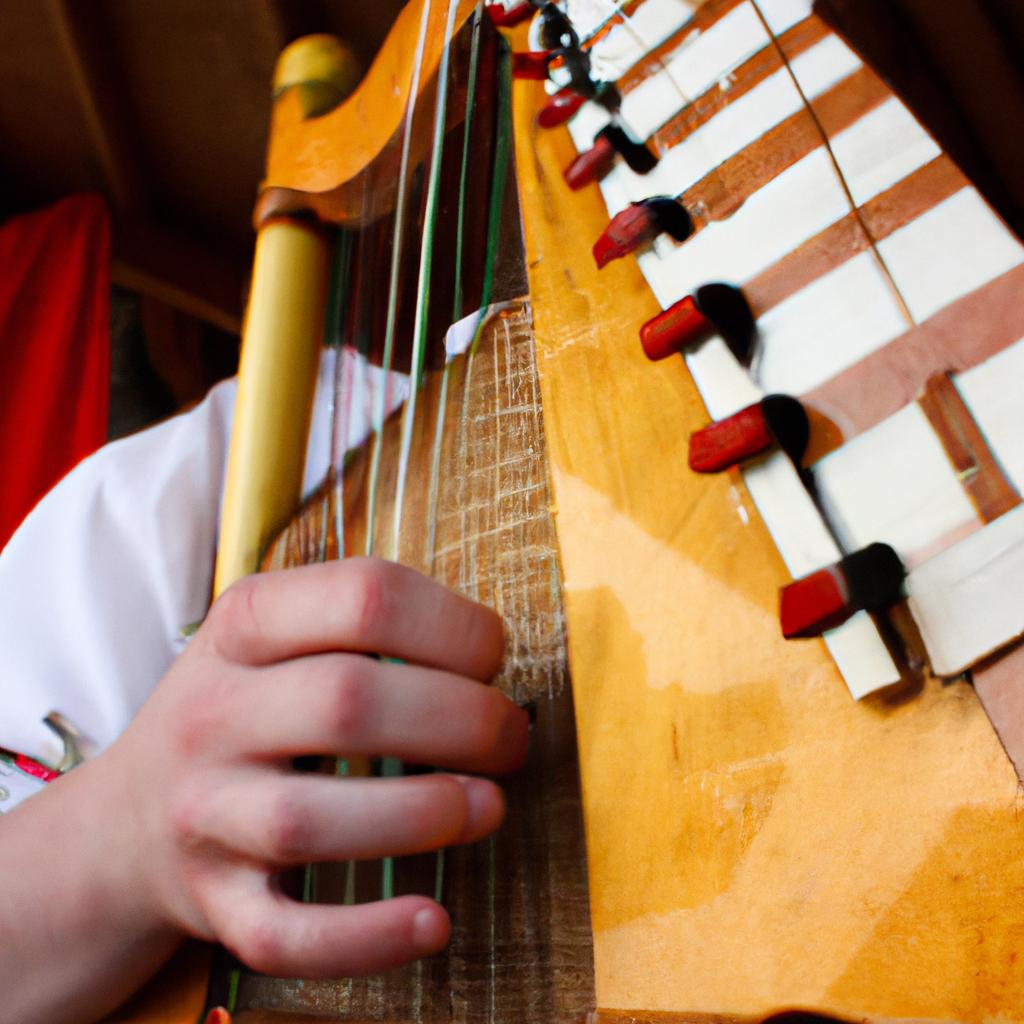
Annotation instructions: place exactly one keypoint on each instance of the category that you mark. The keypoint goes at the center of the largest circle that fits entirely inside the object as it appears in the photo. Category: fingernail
(484, 807)
(429, 930)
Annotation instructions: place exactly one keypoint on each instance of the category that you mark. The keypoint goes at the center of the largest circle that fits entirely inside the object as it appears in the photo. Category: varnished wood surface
(756, 839)
(520, 948)
(344, 164)
(476, 510)
(481, 523)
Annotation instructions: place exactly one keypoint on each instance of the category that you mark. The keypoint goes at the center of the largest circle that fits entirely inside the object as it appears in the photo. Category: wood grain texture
(476, 508)
(520, 948)
(476, 514)
(981, 476)
(332, 163)
(756, 839)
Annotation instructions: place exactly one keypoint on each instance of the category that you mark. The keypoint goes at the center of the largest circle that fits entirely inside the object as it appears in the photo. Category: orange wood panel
(339, 162)
(756, 839)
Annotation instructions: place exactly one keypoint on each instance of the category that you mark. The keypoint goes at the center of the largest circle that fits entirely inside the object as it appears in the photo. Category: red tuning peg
(867, 580)
(531, 64)
(713, 309)
(560, 108)
(730, 441)
(777, 420)
(640, 223)
(508, 17)
(596, 162)
(675, 329)
(590, 166)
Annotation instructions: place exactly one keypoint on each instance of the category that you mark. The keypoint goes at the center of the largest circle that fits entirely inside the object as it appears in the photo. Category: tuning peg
(592, 165)
(560, 107)
(776, 421)
(712, 309)
(867, 580)
(508, 17)
(531, 64)
(607, 95)
(596, 162)
(640, 223)
(566, 102)
(636, 154)
(556, 31)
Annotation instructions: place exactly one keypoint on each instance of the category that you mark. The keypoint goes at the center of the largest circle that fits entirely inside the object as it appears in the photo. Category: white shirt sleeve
(97, 583)
(101, 577)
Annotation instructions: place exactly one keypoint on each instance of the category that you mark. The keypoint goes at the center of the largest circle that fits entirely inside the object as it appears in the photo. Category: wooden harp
(758, 842)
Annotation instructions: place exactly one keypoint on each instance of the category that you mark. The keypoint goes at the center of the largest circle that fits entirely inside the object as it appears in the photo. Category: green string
(502, 149)
(337, 289)
(467, 131)
(233, 983)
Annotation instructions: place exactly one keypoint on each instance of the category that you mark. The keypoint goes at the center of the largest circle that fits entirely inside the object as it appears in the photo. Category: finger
(292, 819)
(358, 604)
(277, 936)
(345, 704)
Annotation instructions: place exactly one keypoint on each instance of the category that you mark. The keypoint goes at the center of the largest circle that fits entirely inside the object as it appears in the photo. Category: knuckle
(187, 813)
(234, 618)
(368, 597)
(349, 700)
(258, 944)
(287, 829)
(201, 724)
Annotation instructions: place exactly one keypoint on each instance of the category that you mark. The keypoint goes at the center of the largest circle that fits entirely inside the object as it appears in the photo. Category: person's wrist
(120, 856)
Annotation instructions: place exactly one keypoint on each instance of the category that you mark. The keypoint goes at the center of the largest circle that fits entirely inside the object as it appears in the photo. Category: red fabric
(54, 347)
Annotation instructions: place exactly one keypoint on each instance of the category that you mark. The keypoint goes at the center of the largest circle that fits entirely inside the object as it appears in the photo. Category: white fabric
(99, 580)
(97, 583)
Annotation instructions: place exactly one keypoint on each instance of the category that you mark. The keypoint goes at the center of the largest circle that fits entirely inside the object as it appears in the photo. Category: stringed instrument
(728, 324)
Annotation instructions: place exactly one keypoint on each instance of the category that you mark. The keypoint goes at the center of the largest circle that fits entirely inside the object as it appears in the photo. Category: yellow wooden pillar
(280, 340)
(276, 384)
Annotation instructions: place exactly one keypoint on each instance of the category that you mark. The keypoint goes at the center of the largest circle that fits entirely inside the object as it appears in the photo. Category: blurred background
(163, 107)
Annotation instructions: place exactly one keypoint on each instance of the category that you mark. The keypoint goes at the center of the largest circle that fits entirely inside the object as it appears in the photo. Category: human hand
(277, 671)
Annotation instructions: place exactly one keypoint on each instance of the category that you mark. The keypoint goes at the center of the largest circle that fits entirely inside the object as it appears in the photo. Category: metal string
(901, 302)
(381, 404)
(419, 338)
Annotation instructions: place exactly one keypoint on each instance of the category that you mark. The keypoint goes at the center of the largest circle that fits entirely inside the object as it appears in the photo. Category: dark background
(163, 106)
